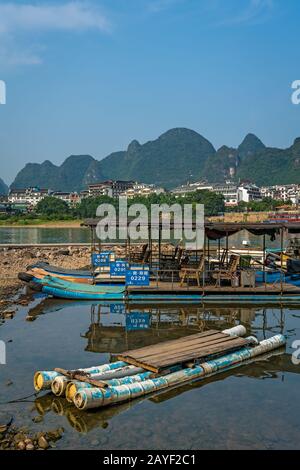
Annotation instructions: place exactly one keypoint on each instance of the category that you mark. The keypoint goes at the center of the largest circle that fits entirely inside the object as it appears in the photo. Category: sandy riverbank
(14, 260)
(49, 224)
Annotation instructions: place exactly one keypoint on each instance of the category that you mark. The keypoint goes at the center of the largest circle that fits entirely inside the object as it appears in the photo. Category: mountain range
(3, 188)
(177, 156)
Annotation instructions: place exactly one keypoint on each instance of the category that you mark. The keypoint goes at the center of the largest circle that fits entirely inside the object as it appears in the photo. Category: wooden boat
(165, 292)
(63, 289)
(42, 269)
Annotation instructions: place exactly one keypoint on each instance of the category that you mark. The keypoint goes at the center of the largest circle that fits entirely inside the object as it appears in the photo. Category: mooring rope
(20, 400)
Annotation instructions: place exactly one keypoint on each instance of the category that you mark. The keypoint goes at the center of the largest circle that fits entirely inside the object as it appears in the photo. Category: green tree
(52, 207)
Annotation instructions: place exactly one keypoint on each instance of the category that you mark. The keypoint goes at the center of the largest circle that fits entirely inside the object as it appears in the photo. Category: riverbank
(241, 217)
(42, 224)
(14, 260)
(231, 217)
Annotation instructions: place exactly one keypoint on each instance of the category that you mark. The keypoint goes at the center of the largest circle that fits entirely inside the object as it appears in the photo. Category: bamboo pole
(43, 379)
(97, 397)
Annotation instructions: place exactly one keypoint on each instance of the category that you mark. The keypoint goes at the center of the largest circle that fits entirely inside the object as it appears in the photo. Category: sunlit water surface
(252, 407)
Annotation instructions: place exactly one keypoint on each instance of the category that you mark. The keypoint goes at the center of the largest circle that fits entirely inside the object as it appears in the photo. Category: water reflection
(114, 327)
(270, 366)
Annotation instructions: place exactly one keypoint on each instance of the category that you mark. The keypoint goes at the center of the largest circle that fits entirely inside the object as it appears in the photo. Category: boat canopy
(219, 230)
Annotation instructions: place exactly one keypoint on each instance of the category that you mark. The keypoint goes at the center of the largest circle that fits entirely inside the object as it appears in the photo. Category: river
(36, 235)
(252, 407)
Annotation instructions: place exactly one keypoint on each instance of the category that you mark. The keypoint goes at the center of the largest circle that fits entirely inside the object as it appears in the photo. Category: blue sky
(90, 76)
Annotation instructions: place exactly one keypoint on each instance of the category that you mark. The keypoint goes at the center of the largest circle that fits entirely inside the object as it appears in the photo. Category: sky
(88, 77)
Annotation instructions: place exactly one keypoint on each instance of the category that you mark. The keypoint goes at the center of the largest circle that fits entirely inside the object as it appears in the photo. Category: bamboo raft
(156, 368)
(185, 350)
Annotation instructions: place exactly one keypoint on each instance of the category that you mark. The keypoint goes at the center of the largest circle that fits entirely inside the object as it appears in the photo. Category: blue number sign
(118, 268)
(137, 276)
(101, 259)
(117, 308)
(137, 321)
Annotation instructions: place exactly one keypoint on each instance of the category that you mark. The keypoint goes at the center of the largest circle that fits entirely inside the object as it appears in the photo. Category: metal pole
(227, 248)
(159, 240)
(281, 258)
(264, 260)
(203, 272)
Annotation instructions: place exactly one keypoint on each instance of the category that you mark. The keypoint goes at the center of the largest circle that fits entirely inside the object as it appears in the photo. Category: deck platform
(162, 287)
(187, 350)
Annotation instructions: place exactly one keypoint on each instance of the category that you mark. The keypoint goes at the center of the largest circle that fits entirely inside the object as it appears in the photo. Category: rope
(19, 400)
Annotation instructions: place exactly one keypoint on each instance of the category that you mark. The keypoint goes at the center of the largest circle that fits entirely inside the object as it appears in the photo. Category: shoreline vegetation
(40, 223)
(233, 217)
(53, 212)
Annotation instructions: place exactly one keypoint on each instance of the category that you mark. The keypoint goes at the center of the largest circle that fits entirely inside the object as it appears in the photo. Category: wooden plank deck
(184, 350)
(161, 287)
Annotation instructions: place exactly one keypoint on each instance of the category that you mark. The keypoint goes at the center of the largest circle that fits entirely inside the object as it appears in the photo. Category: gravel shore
(15, 260)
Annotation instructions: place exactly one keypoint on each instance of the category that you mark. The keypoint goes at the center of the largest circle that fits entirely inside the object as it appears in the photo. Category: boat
(42, 269)
(155, 368)
(283, 218)
(160, 292)
(273, 277)
(64, 289)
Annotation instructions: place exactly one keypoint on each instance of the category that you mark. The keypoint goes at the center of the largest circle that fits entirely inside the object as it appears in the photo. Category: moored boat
(42, 269)
(159, 292)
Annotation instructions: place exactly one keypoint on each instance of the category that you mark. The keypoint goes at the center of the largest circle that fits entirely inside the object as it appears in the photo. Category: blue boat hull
(273, 277)
(69, 290)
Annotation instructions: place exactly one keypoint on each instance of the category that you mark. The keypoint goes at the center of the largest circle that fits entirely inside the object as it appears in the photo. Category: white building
(142, 189)
(191, 188)
(109, 188)
(229, 191)
(248, 193)
(28, 196)
(70, 198)
(287, 192)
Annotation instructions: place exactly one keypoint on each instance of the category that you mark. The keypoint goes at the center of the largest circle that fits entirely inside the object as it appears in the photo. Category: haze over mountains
(177, 156)
(3, 188)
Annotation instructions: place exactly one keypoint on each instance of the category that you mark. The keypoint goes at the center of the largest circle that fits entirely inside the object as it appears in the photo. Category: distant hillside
(177, 156)
(272, 166)
(228, 162)
(3, 188)
(73, 174)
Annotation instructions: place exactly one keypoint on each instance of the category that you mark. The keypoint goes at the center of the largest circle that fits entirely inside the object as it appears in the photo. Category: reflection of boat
(81, 421)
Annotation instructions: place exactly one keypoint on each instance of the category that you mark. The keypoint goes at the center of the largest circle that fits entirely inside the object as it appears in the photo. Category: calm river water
(30, 235)
(252, 407)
